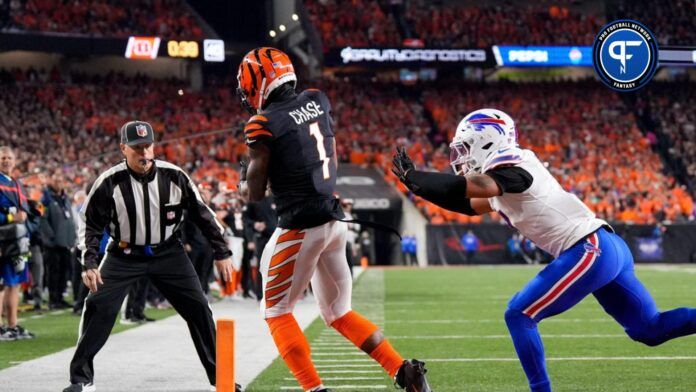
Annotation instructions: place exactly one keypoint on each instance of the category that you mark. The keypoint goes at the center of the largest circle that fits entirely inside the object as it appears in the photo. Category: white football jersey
(545, 213)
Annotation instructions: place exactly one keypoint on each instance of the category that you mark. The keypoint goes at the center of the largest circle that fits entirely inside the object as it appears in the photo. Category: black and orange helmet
(261, 71)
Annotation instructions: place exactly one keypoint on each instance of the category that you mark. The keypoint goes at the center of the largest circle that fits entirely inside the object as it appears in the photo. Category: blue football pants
(602, 265)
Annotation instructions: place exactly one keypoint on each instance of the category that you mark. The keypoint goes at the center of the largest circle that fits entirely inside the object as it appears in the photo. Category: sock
(358, 329)
(294, 349)
(386, 356)
(530, 349)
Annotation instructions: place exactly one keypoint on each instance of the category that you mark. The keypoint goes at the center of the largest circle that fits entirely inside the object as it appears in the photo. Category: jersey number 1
(316, 133)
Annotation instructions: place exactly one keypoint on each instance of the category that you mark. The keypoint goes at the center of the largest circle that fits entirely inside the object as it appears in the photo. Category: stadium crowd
(102, 18)
(481, 26)
(669, 111)
(339, 25)
(443, 24)
(672, 22)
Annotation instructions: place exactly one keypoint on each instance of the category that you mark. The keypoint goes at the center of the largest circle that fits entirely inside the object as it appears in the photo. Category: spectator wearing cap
(140, 203)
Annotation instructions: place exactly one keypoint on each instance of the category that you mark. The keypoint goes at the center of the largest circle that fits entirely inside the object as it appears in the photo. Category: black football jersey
(302, 167)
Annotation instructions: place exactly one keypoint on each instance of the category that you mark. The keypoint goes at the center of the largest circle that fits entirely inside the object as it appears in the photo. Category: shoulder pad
(257, 128)
(503, 156)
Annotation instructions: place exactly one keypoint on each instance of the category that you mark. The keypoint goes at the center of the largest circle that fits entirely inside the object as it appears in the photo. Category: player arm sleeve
(94, 216)
(445, 190)
(511, 179)
(205, 219)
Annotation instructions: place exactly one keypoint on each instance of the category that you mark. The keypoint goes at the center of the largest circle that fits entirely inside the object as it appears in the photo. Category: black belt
(126, 249)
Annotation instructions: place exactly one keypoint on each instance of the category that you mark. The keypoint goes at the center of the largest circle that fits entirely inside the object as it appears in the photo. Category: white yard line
(567, 359)
(341, 378)
(371, 364)
(352, 372)
(498, 320)
(506, 336)
(349, 387)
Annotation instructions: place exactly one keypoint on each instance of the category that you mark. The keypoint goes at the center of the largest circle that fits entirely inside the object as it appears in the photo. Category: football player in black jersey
(292, 149)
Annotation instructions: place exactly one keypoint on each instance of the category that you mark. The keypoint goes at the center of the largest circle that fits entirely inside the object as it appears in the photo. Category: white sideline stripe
(363, 360)
(335, 349)
(500, 320)
(454, 302)
(351, 371)
(371, 365)
(352, 387)
(353, 354)
(565, 359)
(669, 268)
(341, 378)
(346, 344)
(552, 336)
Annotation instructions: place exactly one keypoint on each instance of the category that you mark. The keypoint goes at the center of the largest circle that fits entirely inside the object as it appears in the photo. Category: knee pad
(648, 336)
(332, 313)
(516, 317)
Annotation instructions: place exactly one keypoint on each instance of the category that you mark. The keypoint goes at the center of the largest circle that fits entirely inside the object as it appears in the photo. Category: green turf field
(56, 330)
(453, 320)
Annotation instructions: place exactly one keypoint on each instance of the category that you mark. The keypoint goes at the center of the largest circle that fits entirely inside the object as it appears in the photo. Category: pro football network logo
(625, 55)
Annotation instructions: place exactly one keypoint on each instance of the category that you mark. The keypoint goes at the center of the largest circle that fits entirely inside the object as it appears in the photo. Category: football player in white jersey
(494, 174)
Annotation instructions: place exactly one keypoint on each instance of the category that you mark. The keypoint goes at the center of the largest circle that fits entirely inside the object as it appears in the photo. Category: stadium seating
(670, 111)
(501, 24)
(104, 18)
(672, 22)
(339, 24)
(56, 121)
(442, 24)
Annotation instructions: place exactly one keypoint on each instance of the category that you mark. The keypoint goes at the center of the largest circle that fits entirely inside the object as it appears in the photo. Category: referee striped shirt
(143, 210)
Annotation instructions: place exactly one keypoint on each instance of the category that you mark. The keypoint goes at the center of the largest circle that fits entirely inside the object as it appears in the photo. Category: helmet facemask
(460, 158)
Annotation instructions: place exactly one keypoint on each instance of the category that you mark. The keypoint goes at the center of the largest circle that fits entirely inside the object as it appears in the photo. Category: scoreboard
(149, 48)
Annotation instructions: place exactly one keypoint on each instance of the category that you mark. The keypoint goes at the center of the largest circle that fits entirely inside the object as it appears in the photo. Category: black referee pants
(173, 274)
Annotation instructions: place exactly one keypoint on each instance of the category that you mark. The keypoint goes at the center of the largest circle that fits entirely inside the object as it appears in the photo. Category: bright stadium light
(272, 33)
(281, 27)
(295, 17)
(181, 92)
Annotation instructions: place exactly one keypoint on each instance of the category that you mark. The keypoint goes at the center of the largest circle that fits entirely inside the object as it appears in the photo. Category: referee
(139, 203)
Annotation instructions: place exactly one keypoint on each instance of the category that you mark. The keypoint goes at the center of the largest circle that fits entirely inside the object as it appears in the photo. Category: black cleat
(87, 387)
(411, 377)
(237, 388)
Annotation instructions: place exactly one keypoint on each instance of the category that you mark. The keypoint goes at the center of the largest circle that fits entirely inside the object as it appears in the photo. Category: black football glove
(243, 166)
(402, 166)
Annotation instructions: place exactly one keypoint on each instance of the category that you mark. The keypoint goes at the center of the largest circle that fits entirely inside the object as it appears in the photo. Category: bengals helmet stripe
(261, 71)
